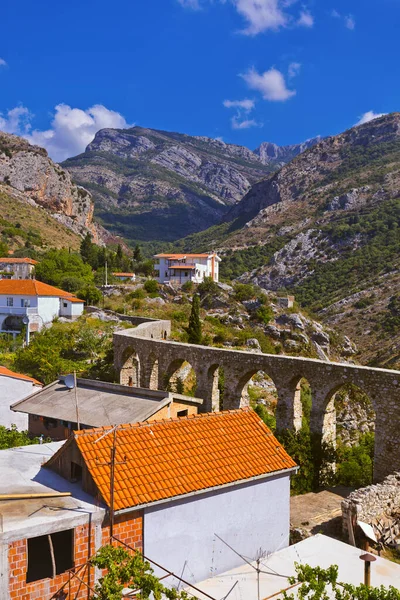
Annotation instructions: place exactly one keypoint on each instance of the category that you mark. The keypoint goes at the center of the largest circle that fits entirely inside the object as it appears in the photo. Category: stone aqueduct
(147, 356)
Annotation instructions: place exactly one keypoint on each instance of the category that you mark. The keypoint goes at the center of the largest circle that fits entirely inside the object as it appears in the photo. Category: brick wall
(128, 528)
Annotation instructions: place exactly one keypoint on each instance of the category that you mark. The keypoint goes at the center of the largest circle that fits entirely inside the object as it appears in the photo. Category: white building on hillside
(36, 301)
(17, 268)
(15, 387)
(180, 268)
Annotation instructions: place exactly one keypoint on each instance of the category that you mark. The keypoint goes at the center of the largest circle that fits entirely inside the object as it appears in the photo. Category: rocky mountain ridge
(31, 176)
(158, 185)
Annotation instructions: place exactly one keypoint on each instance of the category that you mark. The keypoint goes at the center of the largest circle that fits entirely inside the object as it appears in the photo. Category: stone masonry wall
(129, 529)
(145, 355)
(372, 502)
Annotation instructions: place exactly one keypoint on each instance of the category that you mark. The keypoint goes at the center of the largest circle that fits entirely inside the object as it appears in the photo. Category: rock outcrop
(31, 174)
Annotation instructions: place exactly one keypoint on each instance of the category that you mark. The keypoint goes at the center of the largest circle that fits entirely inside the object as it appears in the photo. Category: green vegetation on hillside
(378, 252)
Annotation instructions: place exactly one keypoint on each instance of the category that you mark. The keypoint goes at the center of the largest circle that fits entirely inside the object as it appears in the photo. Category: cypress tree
(194, 328)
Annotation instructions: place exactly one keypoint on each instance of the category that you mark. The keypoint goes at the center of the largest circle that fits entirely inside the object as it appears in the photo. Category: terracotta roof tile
(7, 373)
(26, 261)
(32, 287)
(163, 459)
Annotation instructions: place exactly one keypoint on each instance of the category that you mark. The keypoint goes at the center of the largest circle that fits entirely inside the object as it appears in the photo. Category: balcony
(18, 311)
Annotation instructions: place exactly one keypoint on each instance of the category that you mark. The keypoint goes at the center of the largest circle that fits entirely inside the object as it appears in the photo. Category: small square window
(10, 301)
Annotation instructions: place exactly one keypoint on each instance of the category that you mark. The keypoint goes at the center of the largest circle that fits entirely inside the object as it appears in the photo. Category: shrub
(244, 291)
(188, 286)
(151, 286)
(208, 286)
(264, 314)
(90, 294)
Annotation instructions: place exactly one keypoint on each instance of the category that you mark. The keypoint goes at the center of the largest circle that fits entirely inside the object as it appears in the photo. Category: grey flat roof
(100, 403)
(22, 473)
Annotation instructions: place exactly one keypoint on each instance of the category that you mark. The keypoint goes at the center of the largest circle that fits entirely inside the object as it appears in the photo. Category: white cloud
(306, 19)
(261, 15)
(271, 84)
(237, 123)
(246, 104)
(294, 69)
(72, 129)
(349, 22)
(17, 120)
(2, 62)
(369, 116)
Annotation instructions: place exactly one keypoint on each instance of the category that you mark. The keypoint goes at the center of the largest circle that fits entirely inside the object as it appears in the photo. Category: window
(10, 301)
(65, 305)
(166, 273)
(25, 302)
(182, 413)
(186, 273)
(40, 563)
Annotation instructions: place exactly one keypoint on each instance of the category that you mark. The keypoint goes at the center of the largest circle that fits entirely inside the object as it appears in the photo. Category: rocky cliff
(270, 153)
(31, 176)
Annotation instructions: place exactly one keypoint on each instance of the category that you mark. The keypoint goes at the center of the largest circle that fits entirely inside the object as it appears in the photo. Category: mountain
(326, 227)
(270, 153)
(158, 185)
(31, 178)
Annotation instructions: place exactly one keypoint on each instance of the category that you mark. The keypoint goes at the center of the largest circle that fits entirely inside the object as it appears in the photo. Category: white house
(125, 276)
(15, 387)
(192, 485)
(38, 302)
(180, 268)
(17, 268)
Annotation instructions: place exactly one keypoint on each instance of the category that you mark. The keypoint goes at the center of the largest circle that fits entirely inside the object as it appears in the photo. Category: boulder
(294, 320)
(272, 331)
(321, 337)
(253, 343)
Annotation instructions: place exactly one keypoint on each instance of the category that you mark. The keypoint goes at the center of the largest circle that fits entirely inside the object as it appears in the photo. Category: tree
(137, 254)
(322, 584)
(129, 570)
(119, 257)
(11, 437)
(151, 286)
(90, 294)
(194, 327)
(58, 266)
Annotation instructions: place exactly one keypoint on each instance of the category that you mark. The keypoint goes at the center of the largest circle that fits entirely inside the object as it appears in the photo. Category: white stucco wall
(48, 307)
(179, 535)
(12, 390)
(72, 309)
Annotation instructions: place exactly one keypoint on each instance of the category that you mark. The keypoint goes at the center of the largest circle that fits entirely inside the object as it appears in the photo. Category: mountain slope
(31, 177)
(326, 227)
(150, 184)
(156, 185)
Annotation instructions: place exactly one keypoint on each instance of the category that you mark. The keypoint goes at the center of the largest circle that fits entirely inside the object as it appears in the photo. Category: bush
(151, 286)
(208, 286)
(188, 287)
(90, 294)
(244, 291)
(264, 314)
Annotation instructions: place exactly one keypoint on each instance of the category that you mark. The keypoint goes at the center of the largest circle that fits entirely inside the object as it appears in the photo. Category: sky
(243, 71)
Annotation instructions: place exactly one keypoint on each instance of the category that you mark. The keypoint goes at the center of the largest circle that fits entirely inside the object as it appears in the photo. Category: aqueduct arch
(147, 346)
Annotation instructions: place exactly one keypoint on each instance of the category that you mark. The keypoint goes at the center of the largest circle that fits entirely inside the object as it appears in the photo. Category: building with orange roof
(197, 484)
(17, 268)
(15, 387)
(125, 276)
(31, 302)
(180, 268)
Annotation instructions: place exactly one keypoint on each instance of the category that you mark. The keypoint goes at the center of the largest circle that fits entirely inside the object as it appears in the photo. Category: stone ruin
(379, 506)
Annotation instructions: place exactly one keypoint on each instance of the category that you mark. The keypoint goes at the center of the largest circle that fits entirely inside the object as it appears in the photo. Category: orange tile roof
(31, 287)
(164, 459)
(123, 274)
(7, 373)
(178, 256)
(28, 261)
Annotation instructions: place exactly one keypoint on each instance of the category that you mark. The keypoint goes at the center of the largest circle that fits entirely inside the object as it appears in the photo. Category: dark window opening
(182, 413)
(76, 472)
(45, 549)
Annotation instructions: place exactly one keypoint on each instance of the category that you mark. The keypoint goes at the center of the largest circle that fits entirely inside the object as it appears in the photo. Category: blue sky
(286, 70)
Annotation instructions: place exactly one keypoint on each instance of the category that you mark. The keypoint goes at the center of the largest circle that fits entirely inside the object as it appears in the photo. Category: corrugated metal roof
(163, 459)
(100, 403)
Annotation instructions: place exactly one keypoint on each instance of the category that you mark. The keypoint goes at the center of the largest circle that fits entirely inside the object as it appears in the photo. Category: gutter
(292, 470)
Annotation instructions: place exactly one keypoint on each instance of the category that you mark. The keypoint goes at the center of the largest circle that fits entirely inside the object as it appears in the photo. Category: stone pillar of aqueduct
(145, 355)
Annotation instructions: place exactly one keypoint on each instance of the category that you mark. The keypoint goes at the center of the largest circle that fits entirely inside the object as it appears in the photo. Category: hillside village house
(17, 268)
(13, 387)
(180, 268)
(178, 484)
(40, 303)
(52, 411)
(125, 277)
